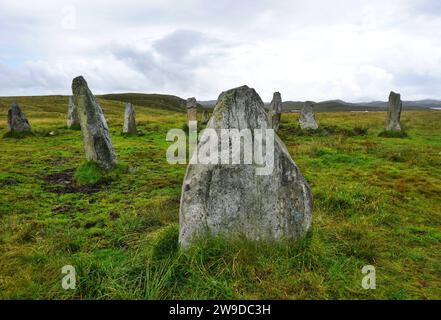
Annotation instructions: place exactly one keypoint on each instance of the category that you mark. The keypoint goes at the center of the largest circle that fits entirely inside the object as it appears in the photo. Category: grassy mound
(90, 173)
(393, 134)
(17, 135)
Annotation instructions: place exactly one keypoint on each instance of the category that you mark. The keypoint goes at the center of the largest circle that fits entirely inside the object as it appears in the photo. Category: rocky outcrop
(307, 117)
(232, 199)
(129, 120)
(192, 109)
(394, 112)
(96, 138)
(17, 121)
(73, 119)
(275, 112)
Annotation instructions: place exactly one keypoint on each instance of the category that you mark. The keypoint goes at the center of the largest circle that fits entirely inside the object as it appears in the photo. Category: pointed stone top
(77, 83)
(394, 94)
(240, 108)
(192, 103)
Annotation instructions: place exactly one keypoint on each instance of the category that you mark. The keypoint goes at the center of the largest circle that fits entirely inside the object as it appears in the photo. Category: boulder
(129, 120)
(192, 109)
(96, 138)
(394, 112)
(73, 119)
(232, 199)
(276, 110)
(307, 117)
(17, 121)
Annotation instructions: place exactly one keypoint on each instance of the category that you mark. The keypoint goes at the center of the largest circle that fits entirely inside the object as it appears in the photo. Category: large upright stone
(307, 117)
(192, 109)
(230, 199)
(97, 143)
(17, 121)
(73, 119)
(129, 120)
(394, 113)
(276, 110)
(206, 117)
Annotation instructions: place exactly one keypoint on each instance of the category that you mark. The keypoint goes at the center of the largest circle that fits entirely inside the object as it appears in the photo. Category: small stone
(307, 117)
(192, 109)
(129, 120)
(394, 112)
(17, 121)
(96, 138)
(73, 119)
(275, 112)
(206, 117)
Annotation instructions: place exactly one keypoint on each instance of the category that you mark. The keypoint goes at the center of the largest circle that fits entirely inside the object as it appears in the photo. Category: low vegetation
(377, 202)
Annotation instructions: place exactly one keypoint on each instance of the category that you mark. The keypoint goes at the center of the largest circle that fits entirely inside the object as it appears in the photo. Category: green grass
(89, 173)
(376, 201)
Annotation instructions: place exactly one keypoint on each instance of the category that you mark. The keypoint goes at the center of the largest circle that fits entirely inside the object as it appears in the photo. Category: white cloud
(315, 50)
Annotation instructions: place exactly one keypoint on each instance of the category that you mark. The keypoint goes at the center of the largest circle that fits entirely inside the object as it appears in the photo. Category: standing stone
(394, 113)
(230, 199)
(307, 117)
(17, 121)
(73, 119)
(97, 143)
(206, 117)
(192, 109)
(129, 120)
(276, 110)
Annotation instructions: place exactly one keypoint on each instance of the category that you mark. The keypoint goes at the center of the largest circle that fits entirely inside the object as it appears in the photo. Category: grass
(393, 134)
(89, 173)
(377, 201)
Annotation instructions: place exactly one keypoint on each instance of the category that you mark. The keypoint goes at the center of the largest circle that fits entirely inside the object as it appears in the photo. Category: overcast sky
(355, 50)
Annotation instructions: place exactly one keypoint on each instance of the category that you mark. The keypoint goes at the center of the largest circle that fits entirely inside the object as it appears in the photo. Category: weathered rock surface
(192, 109)
(232, 200)
(307, 117)
(129, 120)
(394, 112)
(73, 119)
(206, 117)
(276, 110)
(97, 143)
(17, 121)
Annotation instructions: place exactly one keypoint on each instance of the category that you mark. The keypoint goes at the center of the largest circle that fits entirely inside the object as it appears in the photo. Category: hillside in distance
(340, 105)
(157, 101)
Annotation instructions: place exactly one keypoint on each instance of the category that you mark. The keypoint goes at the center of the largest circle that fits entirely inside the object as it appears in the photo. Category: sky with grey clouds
(355, 50)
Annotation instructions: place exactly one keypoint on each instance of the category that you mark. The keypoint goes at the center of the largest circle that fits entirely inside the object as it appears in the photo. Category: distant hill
(340, 105)
(160, 101)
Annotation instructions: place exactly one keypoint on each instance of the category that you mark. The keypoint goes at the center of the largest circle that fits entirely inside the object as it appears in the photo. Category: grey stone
(394, 112)
(206, 117)
(129, 120)
(17, 121)
(275, 112)
(96, 138)
(192, 109)
(231, 200)
(73, 119)
(307, 117)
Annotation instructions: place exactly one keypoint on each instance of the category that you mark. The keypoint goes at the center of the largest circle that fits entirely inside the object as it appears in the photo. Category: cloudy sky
(355, 50)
